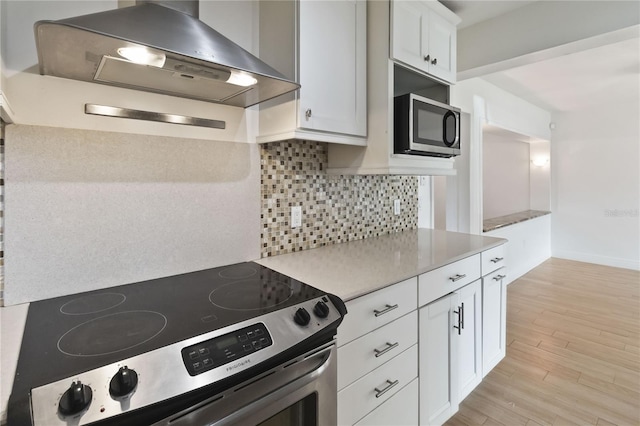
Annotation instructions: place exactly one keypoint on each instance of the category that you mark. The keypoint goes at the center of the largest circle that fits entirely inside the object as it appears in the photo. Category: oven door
(299, 392)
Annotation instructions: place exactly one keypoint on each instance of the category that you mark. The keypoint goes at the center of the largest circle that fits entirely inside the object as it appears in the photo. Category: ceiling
(578, 80)
(473, 11)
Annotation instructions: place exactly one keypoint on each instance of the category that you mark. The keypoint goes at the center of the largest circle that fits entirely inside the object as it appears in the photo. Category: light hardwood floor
(573, 354)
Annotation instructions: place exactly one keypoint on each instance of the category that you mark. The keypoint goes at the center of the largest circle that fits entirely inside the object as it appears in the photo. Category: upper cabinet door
(332, 66)
(423, 36)
(442, 45)
(410, 40)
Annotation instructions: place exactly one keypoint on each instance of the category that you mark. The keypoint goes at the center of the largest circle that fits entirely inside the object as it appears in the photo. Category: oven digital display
(224, 349)
(226, 342)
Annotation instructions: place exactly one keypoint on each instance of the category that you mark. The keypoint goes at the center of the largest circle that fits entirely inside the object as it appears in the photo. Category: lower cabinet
(470, 336)
(494, 309)
(450, 339)
(399, 410)
(378, 356)
(366, 394)
(399, 364)
(438, 352)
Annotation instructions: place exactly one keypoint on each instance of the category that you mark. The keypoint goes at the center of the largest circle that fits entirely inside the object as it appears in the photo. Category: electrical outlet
(396, 207)
(296, 216)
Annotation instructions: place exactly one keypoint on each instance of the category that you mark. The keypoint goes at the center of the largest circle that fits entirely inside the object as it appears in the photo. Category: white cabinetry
(470, 335)
(494, 310)
(378, 157)
(409, 353)
(378, 355)
(438, 353)
(322, 45)
(6, 113)
(401, 410)
(424, 37)
(450, 336)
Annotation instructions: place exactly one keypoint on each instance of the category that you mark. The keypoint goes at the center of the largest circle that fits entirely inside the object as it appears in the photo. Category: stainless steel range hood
(154, 47)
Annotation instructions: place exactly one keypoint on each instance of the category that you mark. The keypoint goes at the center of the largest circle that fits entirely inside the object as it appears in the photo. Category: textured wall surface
(90, 209)
(334, 208)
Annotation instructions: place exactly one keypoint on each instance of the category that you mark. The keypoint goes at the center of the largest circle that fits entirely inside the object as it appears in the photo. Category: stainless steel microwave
(423, 126)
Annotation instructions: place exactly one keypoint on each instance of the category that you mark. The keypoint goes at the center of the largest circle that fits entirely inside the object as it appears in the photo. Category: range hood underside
(64, 50)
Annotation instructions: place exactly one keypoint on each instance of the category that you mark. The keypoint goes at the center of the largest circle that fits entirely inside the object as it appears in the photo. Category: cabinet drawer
(435, 284)
(492, 259)
(374, 310)
(364, 395)
(400, 410)
(362, 355)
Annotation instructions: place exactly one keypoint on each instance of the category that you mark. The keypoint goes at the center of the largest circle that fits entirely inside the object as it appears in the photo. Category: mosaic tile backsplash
(335, 209)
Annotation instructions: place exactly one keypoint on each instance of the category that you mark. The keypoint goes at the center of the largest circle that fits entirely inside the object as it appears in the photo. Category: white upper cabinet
(424, 37)
(395, 62)
(322, 45)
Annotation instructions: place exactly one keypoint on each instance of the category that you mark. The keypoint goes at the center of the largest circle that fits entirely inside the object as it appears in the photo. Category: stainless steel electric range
(240, 344)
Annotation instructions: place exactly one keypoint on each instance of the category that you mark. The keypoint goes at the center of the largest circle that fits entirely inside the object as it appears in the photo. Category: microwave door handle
(445, 135)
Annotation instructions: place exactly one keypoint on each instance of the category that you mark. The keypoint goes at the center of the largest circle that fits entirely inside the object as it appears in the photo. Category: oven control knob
(302, 317)
(321, 309)
(75, 399)
(123, 383)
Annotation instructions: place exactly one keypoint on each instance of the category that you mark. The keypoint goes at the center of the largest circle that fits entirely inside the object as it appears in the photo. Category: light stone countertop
(355, 268)
(12, 321)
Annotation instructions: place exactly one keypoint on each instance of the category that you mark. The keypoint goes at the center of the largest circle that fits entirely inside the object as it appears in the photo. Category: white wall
(505, 176)
(540, 176)
(596, 184)
(488, 104)
(52, 101)
(530, 241)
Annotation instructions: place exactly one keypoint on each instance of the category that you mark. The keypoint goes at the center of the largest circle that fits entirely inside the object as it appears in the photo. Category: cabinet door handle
(499, 277)
(380, 352)
(307, 113)
(457, 277)
(462, 315)
(388, 308)
(427, 58)
(459, 326)
(390, 384)
(435, 61)
(497, 259)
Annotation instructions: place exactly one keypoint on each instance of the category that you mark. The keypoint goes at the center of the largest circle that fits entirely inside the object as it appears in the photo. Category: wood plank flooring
(573, 354)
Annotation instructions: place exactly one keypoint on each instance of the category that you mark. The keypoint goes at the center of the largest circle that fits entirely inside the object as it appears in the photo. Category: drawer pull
(457, 277)
(388, 308)
(380, 352)
(499, 277)
(390, 384)
(497, 259)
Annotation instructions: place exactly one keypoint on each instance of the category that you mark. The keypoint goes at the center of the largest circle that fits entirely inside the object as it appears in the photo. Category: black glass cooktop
(71, 334)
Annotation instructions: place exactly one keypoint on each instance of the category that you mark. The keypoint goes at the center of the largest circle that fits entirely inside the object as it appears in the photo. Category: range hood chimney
(157, 46)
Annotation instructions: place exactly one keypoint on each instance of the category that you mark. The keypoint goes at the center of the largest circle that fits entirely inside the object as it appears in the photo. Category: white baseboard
(597, 259)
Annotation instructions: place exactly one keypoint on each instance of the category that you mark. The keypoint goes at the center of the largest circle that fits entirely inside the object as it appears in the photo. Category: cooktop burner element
(249, 295)
(112, 333)
(92, 303)
(241, 270)
(128, 354)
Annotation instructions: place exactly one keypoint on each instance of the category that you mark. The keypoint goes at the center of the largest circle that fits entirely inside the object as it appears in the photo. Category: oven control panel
(224, 349)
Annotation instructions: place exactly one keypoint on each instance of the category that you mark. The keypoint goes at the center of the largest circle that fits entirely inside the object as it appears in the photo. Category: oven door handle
(290, 388)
